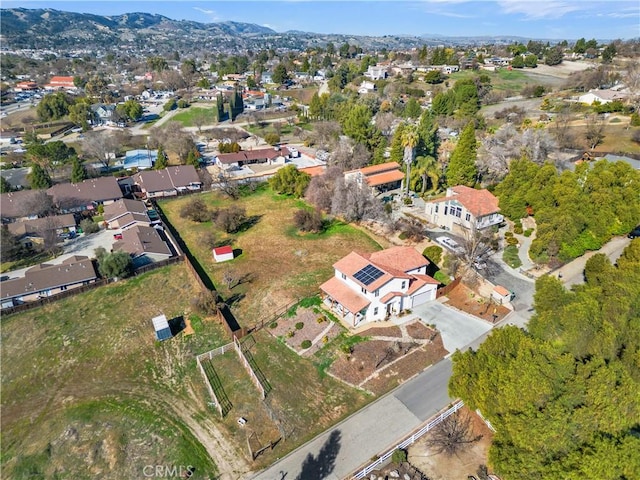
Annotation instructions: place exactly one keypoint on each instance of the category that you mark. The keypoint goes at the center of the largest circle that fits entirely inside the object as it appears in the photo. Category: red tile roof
(223, 250)
(478, 202)
(340, 291)
(400, 258)
(314, 171)
(373, 169)
(383, 178)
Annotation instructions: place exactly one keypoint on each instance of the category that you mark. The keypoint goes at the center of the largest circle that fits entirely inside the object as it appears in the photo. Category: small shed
(501, 295)
(223, 254)
(161, 326)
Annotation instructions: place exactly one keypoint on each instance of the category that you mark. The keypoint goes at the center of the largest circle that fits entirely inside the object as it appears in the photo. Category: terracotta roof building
(382, 177)
(370, 287)
(60, 82)
(46, 280)
(464, 208)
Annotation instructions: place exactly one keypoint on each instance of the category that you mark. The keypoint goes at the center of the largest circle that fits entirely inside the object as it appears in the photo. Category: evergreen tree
(161, 162)
(39, 178)
(428, 141)
(412, 109)
(193, 158)
(220, 107)
(78, 172)
(462, 168)
(5, 186)
(397, 149)
(236, 105)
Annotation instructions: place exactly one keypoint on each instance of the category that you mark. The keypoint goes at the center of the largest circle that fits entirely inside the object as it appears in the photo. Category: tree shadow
(319, 467)
(233, 299)
(248, 223)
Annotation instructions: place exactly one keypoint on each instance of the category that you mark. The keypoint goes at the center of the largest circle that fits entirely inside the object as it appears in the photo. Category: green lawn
(86, 389)
(189, 117)
(502, 79)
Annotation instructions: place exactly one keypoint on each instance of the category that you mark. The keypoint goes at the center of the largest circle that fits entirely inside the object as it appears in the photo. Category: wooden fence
(254, 372)
(446, 289)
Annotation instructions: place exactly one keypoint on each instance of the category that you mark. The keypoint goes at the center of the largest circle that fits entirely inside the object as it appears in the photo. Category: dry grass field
(279, 264)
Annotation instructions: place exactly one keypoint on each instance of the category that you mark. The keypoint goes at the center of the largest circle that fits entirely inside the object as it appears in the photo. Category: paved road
(339, 451)
(17, 177)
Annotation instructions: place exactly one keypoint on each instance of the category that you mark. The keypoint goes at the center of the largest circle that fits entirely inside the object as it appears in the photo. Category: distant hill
(55, 29)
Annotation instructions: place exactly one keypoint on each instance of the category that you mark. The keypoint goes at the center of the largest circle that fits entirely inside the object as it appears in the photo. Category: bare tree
(48, 231)
(355, 201)
(349, 155)
(102, 145)
(507, 144)
(326, 133)
(561, 128)
(384, 122)
(173, 137)
(452, 435)
(320, 189)
(199, 119)
(230, 278)
(36, 203)
(594, 130)
(228, 185)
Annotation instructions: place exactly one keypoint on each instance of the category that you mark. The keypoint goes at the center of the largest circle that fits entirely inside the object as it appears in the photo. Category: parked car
(117, 236)
(450, 244)
(635, 233)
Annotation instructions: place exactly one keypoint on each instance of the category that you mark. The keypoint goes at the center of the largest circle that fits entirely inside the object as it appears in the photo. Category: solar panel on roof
(368, 274)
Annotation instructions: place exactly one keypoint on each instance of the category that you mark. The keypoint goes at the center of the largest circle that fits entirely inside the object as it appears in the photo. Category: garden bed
(465, 299)
(307, 325)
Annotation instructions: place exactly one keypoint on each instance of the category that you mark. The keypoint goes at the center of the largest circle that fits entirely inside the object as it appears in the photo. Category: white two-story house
(464, 208)
(370, 287)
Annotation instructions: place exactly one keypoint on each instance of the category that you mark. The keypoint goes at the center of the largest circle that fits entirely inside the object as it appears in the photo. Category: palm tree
(429, 170)
(409, 141)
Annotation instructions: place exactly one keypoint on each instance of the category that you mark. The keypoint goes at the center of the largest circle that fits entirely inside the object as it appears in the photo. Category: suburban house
(464, 208)
(370, 287)
(25, 86)
(270, 156)
(126, 213)
(16, 205)
(102, 114)
(381, 178)
(46, 280)
(144, 244)
(376, 72)
(86, 195)
(366, 87)
(168, 182)
(142, 159)
(602, 96)
(34, 231)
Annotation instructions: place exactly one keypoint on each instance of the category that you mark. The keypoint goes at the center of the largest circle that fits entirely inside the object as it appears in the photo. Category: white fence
(216, 351)
(382, 460)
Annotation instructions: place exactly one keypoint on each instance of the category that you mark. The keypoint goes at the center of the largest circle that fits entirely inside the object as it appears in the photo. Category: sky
(538, 19)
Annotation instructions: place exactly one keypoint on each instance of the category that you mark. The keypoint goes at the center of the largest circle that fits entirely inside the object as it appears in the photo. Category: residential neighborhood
(233, 248)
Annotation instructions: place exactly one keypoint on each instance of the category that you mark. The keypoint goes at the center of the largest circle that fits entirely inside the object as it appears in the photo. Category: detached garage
(223, 254)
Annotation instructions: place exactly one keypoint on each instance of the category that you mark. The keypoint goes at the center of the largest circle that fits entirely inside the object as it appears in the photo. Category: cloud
(439, 7)
(540, 8)
(213, 16)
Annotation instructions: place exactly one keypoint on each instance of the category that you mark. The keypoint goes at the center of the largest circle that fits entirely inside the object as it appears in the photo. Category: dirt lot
(317, 328)
(465, 299)
(439, 466)
(389, 356)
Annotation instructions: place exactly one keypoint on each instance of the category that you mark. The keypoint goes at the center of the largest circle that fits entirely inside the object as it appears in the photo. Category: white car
(450, 244)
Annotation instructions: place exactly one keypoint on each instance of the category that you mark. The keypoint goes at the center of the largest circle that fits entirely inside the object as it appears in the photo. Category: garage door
(422, 298)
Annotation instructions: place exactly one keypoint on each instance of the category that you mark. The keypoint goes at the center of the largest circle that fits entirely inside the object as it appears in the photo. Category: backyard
(277, 265)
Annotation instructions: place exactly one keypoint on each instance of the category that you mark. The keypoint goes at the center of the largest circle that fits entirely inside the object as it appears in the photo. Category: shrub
(399, 456)
(635, 120)
(433, 253)
(510, 256)
(308, 221)
(306, 344)
(182, 103)
(299, 325)
(325, 339)
(512, 241)
(170, 105)
(290, 333)
(272, 138)
(508, 234)
(407, 201)
(320, 319)
(196, 211)
(232, 147)
(517, 229)
(88, 226)
(230, 219)
(528, 232)
(273, 325)
(115, 265)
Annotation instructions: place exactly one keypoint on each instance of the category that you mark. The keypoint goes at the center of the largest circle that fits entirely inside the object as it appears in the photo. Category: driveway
(82, 245)
(17, 177)
(458, 329)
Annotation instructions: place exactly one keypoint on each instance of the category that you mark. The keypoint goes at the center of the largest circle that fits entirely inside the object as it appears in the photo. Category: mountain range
(49, 28)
